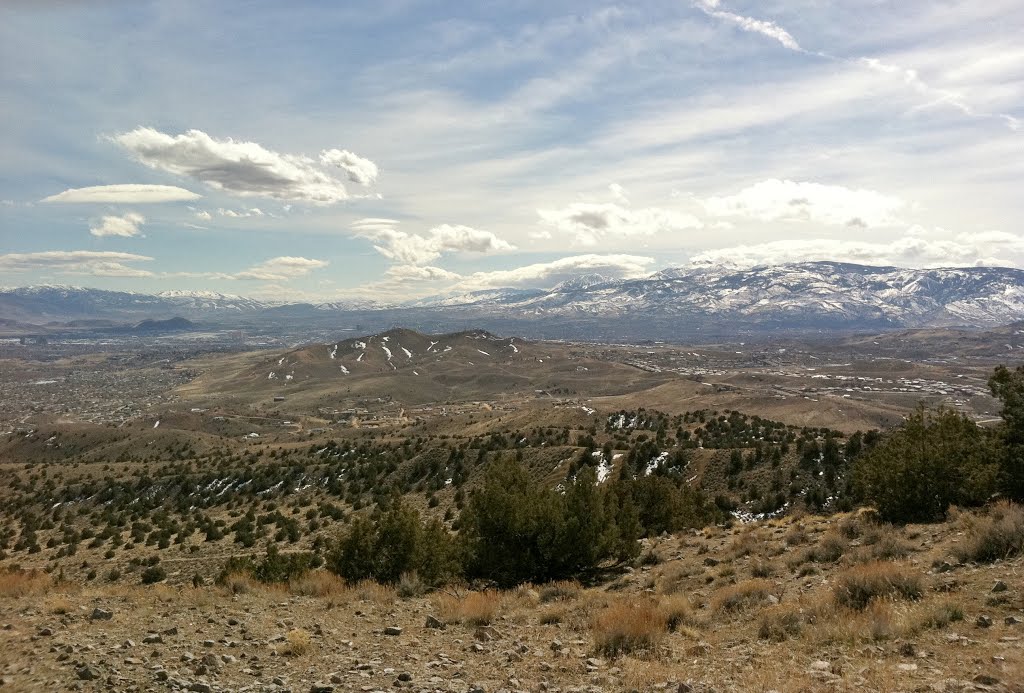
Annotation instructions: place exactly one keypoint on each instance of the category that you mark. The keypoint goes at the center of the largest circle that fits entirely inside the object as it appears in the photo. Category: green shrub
(934, 460)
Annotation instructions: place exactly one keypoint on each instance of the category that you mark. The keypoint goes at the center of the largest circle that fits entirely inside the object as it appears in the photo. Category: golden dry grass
(297, 643)
(24, 583)
(629, 626)
(474, 608)
(997, 535)
(742, 595)
(319, 583)
(857, 587)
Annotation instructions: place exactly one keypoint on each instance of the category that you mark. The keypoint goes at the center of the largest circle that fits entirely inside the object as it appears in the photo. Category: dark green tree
(1008, 387)
(934, 460)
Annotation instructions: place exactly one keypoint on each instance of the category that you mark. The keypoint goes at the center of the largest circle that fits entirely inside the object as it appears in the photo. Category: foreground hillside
(796, 604)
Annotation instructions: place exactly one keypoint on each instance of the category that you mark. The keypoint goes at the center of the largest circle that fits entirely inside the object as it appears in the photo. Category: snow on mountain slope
(800, 293)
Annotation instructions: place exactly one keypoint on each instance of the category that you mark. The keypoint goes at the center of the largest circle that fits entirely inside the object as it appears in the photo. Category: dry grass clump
(239, 583)
(297, 643)
(781, 623)
(744, 544)
(877, 622)
(370, 591)
(24, 583)
(318, 583)
(857, 587)
(742, 595)
(678, 612)
(796, 535)
(58, 604)
(474, 609)
(995, 536)
(936, 616)
(763, 569)
(561, 590)
(629, 626)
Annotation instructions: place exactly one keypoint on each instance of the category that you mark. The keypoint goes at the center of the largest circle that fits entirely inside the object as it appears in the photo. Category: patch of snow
(334, 351)
(44, 382)
(483, 352)
(343, 370)
(360, 357)
(431, 346)
(272, 375)
(360, 345)
(280, 361)
(415, 373)
(604, 470)
(289, 377)
(157, 423)
(653, 464)
(408, 354)
(386, 351)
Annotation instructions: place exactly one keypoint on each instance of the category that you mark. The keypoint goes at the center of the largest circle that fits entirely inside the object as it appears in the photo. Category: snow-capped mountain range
(799, 296)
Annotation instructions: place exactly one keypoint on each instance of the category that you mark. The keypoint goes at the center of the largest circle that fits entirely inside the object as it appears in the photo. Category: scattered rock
(392, 630)
(434, 622)
(985, 680)
(321, 688)
(99, 614)
(1011, 620)
(1000, 586)
(153, 639)
(87, 673)
(983, 621)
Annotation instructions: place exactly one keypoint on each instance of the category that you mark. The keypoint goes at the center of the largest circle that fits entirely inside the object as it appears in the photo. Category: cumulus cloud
(359, 170)
(95, 263)
(204, 215)
(242, 168)
(281, 268)
(786, 200)
(417, 273)
(126, 225)
(548, 274)
(917, 248)
(591, 222)
(415, 249)
(128, 193)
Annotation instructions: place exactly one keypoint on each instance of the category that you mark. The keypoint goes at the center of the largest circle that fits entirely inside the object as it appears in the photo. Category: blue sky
(398, 148)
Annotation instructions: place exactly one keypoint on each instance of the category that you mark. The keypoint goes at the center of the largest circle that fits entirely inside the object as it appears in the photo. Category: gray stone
(321, 688)
(1000, 586)
(434, 622)
(99, 614)
(392, 630)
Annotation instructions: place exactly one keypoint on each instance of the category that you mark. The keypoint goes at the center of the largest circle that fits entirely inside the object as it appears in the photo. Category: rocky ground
(747, 608)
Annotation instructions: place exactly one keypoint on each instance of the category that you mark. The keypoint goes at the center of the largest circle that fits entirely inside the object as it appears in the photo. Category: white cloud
(414, 249)
(917, 248)
(590, 222)
(786, 200)
(128, 193)
(417, 273)
(359, 170)
(547, 274)
(281, 269)
(126, 225)
(757, 26)
(242, 168)
(95, 263)
(242, 214)
(618, 193)
(204, 215)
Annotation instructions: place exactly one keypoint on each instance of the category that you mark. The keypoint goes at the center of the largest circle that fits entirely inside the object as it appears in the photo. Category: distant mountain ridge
(674, 301)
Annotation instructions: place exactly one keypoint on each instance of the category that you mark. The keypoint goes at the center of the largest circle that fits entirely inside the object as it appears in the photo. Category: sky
(397, 149)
